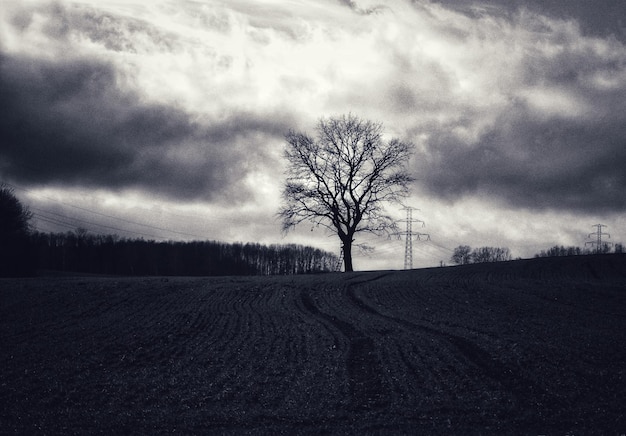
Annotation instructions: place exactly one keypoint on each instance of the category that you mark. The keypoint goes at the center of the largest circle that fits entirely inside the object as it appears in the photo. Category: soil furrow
(523, 390)
(367, 389)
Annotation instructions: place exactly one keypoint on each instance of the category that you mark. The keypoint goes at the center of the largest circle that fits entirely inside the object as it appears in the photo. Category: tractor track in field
(521, 388)
(367, 390)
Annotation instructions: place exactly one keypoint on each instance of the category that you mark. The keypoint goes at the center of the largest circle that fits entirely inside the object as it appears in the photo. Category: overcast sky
(166, 119)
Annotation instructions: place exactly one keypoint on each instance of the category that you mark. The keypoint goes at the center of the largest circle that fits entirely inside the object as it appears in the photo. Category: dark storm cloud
(597, 18)
(68, 123)
(538, 164)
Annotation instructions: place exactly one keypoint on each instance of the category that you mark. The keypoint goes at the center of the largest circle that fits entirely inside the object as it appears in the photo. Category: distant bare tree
(501, 254)
(491, 254)
(462, 255)
(341, 179)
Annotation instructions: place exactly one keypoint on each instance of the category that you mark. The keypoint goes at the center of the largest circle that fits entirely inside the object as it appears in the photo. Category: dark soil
(526, 347)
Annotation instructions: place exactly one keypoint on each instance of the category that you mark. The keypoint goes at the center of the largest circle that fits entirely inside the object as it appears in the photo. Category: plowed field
(526, 347)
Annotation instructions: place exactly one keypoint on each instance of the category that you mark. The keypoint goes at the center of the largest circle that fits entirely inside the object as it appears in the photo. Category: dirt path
(524, 347)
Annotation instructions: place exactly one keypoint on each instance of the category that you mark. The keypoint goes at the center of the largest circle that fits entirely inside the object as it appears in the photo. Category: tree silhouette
(341, 179)
(462, 255)
(109, 254)
(14, 231)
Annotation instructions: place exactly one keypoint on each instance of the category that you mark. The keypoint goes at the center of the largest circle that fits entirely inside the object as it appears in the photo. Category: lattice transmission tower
(339, 260)
(409, 234)
(598, 234)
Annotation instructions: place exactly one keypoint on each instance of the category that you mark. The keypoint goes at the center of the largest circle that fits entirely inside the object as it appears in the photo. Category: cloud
(602, 18)
(518, 108)
(68, 123)
(367, 10)
(523, 162)
(191, 100)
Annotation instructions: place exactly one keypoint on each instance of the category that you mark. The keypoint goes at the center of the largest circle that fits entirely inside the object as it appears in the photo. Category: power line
(386, 246)
(441, 250)
(106, 216)
(44, 216)
(440, 247)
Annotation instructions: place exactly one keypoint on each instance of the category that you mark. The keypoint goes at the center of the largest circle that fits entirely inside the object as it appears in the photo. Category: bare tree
(462, 255)
(341, 179)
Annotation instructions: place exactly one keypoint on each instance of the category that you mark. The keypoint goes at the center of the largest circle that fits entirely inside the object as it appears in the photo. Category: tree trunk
(347, 255)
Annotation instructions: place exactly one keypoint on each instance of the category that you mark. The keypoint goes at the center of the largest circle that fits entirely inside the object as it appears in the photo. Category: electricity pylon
(599, 234)
(408, 234)
(339, 260)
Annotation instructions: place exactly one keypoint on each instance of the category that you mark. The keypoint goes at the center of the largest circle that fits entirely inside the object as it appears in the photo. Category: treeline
(560, 250)
(24, 251)
(464, 254)
(79, 252)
